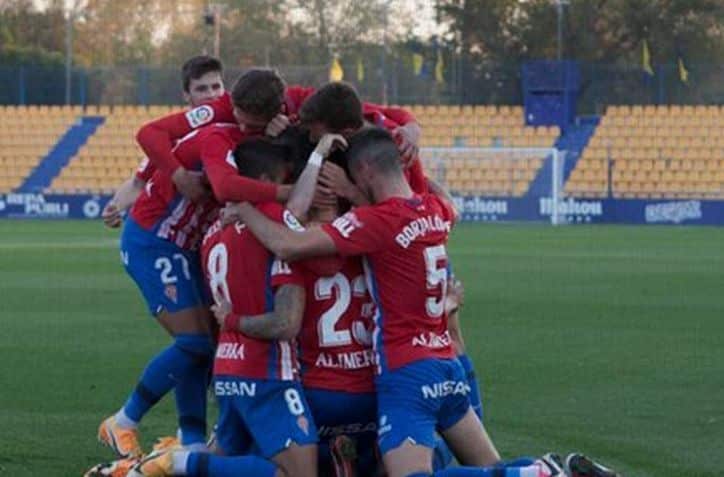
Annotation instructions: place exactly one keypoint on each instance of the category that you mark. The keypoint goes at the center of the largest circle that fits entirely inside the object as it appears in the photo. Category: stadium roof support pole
(560, 4)
(556, 187)
(68, 54)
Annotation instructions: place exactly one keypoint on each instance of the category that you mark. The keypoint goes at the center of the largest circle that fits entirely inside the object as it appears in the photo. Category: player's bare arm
(440, 191)
(283, 242)
(303, 192)
(122, 200)
(283, 323)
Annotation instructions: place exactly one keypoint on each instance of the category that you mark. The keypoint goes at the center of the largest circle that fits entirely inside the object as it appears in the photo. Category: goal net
(487, 182)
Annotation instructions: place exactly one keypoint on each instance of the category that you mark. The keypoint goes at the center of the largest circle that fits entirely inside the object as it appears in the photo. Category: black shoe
(578, 465)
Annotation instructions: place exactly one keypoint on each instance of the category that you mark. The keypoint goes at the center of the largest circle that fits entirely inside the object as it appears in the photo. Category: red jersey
(336, 337)
(162, 210)
(403, 241)
(238, 268)
(145, 170)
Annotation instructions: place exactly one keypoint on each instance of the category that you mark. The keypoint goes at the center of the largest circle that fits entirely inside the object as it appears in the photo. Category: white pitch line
(58, 245)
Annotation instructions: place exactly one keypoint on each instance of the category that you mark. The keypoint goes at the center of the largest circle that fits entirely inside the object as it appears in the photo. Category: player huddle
(289, 242)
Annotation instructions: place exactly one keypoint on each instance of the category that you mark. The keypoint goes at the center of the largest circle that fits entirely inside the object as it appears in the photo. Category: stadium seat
(658, 152)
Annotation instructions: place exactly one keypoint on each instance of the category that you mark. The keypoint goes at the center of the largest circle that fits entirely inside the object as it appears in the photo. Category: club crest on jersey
(303, 424)
(171, 293)
(200, 116)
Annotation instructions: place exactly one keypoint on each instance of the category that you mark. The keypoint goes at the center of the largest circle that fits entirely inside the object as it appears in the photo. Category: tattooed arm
(283, 323)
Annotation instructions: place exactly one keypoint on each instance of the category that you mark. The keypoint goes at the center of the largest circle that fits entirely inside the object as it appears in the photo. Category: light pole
(213, 16)
(560, 4)
(385, 24)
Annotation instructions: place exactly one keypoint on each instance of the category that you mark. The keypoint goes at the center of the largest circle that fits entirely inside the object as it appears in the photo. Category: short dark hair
(197, 66)
(336, 105)
(259, 155)
(376, 147)
(260, 92)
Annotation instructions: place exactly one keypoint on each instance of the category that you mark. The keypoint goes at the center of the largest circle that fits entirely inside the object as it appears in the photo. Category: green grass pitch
(608, 340)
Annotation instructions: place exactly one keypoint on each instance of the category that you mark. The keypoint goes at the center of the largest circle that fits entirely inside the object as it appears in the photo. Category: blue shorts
(169, 277)
(418, 399)
(350, 414)
(261, 416)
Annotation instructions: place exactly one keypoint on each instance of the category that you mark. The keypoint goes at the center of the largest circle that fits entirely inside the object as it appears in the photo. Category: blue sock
(164, 371)
(191, 391)
(475, 400)
(205, 465)
(522, 471)
(441, 455)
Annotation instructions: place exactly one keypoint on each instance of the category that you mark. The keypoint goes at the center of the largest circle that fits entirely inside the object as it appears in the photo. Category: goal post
(528, 178)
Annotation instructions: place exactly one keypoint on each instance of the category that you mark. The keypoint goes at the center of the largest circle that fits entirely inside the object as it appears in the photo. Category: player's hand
(323, 198)
(408, 140)
(333, 181)
(455, 295)
(190, 184)
(330, 142)
(221, 310)
(111, 215)
(277, 125)
(230, 214)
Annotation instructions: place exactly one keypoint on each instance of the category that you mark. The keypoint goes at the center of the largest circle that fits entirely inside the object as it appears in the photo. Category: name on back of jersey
(346, 360)
(420, 227)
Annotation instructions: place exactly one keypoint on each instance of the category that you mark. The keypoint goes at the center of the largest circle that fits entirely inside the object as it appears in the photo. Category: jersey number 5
(436, 271)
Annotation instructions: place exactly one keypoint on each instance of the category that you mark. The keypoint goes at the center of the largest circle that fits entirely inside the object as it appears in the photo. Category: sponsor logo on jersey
(421, 227)
(346, 429)
(675, 212)
(432, 340)
(351, 360)
(346, 224)
(230, 351)
(200, 116)
(444, 388)
(234, 388)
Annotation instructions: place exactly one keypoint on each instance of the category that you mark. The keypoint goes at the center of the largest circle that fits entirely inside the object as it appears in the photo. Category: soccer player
(420, 386)
(336, 108)
(261, 103)
(202, 82)
(159, 251)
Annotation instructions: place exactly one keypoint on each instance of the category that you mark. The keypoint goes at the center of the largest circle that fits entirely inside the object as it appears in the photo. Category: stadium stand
(111, 155)
(26, 136)
(654, 152)
(482, 126)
